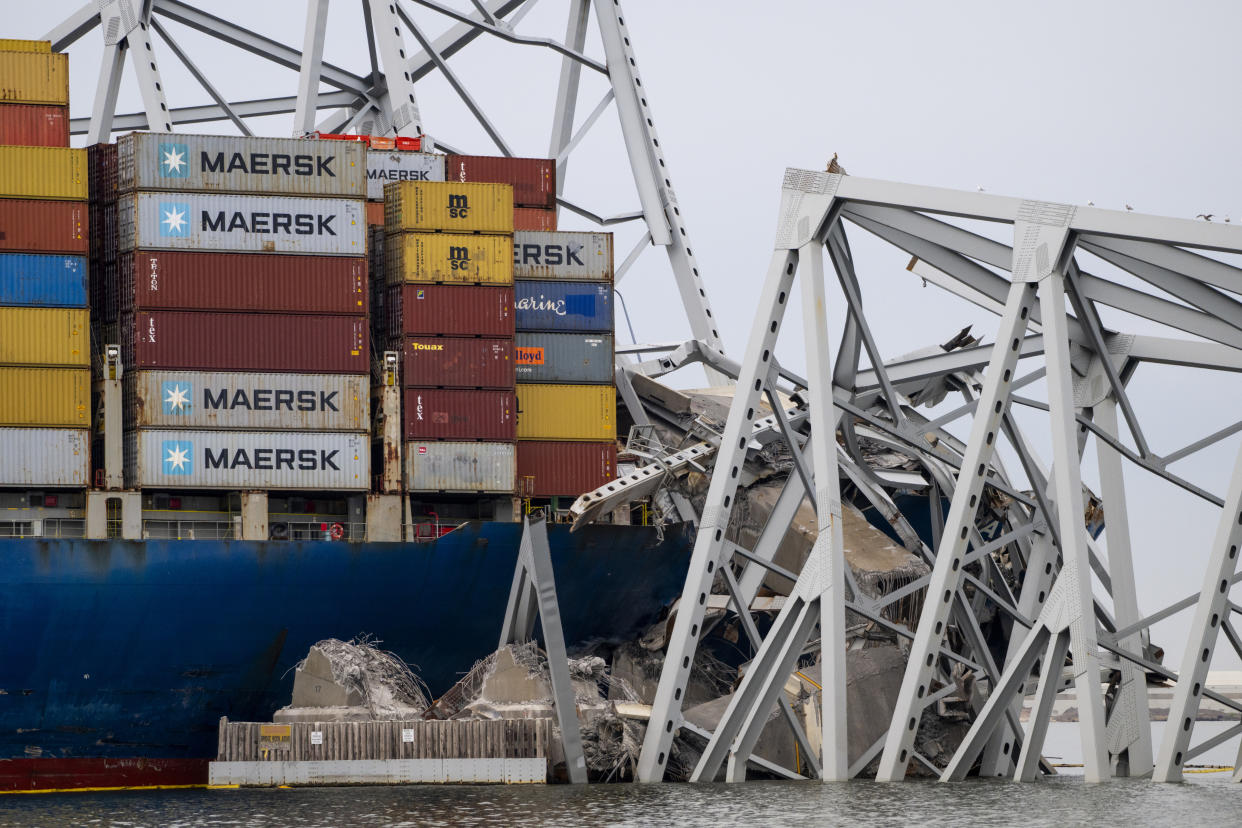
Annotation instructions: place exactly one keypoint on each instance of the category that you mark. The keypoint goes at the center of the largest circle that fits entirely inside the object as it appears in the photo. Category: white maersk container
(44, 457)
(384, 166)
(220, 399)
(236, 164)
(460, 467)
(241, 224)
(574, 257)
(239, 460)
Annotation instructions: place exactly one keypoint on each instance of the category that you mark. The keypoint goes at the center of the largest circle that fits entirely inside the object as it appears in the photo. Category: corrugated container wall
(459, 467)
(43, 172)
(297, 460)
(43, 280)
(571, 358)
(453, 258)
(579, 257)
(242, 282)
(11, 45)
(101, 163)
(241, 224)
(563, 306)
(44, 457)
(448, 206)
(237, 164)
(44, 336)
(217, 399)
(567, 412)
(34, 125)
(205, 341)
(533, 179)
(43, 226)
(552, 469)
(34, 78)
(387, 166)
(533, 218)
(432, 310)
(46, 397)
(458, 362)
(439, 414)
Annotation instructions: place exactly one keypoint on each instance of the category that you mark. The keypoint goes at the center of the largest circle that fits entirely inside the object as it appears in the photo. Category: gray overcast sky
(1115, 102)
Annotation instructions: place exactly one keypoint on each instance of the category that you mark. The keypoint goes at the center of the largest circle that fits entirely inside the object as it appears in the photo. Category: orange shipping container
(33, 125)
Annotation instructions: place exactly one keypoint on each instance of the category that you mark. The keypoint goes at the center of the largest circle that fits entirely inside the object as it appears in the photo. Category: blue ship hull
(121, 656)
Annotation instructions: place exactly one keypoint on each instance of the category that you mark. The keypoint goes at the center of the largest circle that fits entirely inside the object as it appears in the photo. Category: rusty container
(553, 469)
(533, 179)
(268, 342)
(454, 414)
(43, 226)
(375, 214)
(457, 362)
(101, 162)
(450, 310)
(34, 77)
(189, 280)
(534, 219)
(34, 125)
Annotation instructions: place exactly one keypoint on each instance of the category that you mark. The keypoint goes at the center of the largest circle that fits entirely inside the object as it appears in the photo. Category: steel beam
(311, 67)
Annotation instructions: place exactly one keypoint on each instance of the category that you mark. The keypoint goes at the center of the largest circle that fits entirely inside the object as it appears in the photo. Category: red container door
(554, 469)
(458, 362)
(440, 414)
(452, 310)
(201, 341)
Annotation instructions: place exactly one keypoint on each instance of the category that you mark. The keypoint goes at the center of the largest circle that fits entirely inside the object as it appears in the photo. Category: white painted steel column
(146, 70)
(946, 572)
(1210, 610)
(828, 553)
(1129, 726)
(406, 120)
(311, 68)
(567, 88)
(111, 68)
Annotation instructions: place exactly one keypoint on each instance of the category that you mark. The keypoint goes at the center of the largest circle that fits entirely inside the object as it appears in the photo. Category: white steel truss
(1074, 617)
(380, 98)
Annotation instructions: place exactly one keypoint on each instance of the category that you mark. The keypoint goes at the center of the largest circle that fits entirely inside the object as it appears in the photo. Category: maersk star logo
(177, 397)
(174, 160)
(177, 455)
(174, 219)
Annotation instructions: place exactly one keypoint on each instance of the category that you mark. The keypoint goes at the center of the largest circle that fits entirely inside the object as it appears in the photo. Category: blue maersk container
(35, 280)
(563, 306)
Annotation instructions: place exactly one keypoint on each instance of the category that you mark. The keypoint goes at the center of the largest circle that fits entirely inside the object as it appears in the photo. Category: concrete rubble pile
(351, 681)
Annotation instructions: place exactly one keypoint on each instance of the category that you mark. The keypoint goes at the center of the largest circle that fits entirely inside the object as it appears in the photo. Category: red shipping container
(457, 362)
(190, 280)
(534, 218)
(203, 341)
(439, 414)
(34, 126)
(44, 226)
(451, 310)
(375, 214)
(101, 173)
(533, 179)
(552, 469)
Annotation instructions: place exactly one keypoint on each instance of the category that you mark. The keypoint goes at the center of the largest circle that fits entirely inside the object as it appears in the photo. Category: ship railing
(43, 528)
(325, 530)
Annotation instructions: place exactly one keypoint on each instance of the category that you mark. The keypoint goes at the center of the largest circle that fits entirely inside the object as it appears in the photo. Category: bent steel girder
(380, 96)
(1074, 601)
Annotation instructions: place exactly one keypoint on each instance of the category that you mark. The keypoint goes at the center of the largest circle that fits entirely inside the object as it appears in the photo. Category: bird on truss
(1226, 219)
(979, 188)
(834, 167)
(1205, 216)
(1090, 203)
(1129, 209)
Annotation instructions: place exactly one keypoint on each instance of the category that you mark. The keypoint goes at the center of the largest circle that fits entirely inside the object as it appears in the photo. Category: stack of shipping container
(533, 181)
(44, 321)
(242, 305)
(564, 349)
(449, 309)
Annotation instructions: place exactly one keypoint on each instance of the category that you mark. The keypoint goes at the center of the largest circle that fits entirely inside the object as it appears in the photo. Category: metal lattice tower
(382, 98)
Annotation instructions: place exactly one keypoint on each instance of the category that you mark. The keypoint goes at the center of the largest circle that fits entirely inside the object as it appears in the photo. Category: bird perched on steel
(1205, 216)
(834, 167)
(1129, 208)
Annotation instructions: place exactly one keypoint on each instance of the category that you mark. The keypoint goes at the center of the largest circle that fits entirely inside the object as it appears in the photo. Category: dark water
(1209, 800)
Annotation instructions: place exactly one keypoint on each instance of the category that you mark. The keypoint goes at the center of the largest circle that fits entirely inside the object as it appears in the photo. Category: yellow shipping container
(57, 173)
(45, 397)
(9, 45)
(567, 412)
(448, 206)
(45, 336)
(34, 78)
(453, 258)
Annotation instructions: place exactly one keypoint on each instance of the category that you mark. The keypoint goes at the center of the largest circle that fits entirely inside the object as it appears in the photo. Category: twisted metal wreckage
(993, 598)
(1008, 600)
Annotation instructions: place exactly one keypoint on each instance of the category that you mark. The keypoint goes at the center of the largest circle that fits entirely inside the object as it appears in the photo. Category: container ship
(257, 392)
